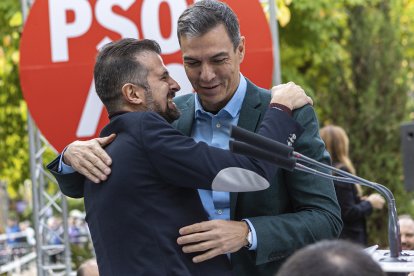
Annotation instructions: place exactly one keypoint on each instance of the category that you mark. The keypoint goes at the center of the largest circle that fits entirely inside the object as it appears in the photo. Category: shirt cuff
(254, 238)
(62, 167)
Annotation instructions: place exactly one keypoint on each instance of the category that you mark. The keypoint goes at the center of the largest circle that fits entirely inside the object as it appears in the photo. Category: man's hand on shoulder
(290, 95)
(213, 238)
(89, 158)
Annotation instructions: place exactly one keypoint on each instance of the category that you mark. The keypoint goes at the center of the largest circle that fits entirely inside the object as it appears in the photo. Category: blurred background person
(407, 232)
(354, 207)
(14, 237)
(26, 228)
(54, 236)
(334, 258)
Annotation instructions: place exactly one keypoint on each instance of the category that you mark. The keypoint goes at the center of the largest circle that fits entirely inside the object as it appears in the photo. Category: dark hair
(202, 16)
(336, 258)
(117, 64)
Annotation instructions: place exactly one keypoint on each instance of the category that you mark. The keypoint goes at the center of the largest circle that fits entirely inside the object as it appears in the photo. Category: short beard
(170, 115)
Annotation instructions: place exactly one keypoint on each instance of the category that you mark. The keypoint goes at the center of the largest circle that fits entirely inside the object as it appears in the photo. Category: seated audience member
(407, 232)
(333, 258)
(354, 207)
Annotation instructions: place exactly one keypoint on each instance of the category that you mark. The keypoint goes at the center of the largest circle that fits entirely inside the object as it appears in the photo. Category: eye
(219, 61)
(192, 63)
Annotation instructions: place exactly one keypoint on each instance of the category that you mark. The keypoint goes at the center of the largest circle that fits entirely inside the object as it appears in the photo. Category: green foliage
(352, 56)
(14, 167)
(80, 254)
(407, 29)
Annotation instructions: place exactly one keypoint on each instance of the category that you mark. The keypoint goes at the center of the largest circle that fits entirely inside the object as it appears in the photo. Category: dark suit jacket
(298, 208)
(353, 211)
(135, 215)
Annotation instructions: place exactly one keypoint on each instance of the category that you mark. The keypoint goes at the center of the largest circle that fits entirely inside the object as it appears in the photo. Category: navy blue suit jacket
(135, 215)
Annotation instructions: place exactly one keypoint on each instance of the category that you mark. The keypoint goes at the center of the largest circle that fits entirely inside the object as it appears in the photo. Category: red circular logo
(61, 38)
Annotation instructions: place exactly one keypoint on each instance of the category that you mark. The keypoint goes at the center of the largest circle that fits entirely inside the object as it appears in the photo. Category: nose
(207, 73)
(174, 86)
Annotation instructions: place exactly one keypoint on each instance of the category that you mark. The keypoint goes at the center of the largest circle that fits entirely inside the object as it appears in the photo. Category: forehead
(214, 41)
(406, 226)
(153, 62)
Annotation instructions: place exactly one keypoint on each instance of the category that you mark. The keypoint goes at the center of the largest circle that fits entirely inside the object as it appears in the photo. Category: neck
(116, 113)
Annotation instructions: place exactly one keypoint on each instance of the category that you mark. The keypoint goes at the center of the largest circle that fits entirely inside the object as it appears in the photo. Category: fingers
(98, 157)
(89, 158)
(211, 248)
(192, 238)
(91, 170)
(104, 141)
(213, 238)
(196, 228)
(208, 255)
(290, 95)
(200, 247)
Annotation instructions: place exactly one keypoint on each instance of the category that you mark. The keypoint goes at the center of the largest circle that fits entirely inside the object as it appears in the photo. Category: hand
(290, 95)
(89, 158)
(376, 201)
(215, 237)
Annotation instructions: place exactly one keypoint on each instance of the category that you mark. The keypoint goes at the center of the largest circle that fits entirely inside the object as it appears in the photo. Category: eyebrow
(213, 57)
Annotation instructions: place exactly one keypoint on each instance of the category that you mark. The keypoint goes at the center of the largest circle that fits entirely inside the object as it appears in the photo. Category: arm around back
(180, 160)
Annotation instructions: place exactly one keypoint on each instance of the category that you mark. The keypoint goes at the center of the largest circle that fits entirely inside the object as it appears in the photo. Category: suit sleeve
(70, 184)
(316, 213)
(183, 162)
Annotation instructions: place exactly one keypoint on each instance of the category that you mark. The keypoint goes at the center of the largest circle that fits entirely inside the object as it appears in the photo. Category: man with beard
(134, 216)
(298, 208)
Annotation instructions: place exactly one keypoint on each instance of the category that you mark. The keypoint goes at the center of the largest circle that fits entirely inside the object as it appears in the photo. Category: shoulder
(310, 142)
(253, 88)
(130, 122)
(255, 99)
(181, 101)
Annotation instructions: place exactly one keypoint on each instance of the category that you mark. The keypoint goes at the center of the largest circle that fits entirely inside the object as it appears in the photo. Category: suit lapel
(185, 123)
(250, 115)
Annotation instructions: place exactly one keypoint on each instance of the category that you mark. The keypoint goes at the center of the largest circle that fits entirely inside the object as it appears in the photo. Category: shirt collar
(233, 106)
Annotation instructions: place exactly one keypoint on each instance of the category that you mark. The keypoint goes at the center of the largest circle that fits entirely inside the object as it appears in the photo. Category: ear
(241, 48)
(133, 94)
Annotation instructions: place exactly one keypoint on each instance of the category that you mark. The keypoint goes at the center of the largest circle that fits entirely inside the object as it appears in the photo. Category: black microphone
(261, 142)
(255, 146)
(252, 151)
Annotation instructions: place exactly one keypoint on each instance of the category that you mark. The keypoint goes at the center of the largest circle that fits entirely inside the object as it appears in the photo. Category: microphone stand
(393, 226)
(257, 146)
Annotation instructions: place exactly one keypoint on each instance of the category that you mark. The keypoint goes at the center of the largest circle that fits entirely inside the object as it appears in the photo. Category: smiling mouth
(210, 87)
(171, 95)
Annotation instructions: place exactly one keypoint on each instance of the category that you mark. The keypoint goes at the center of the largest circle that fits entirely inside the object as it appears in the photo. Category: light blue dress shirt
(214, 129)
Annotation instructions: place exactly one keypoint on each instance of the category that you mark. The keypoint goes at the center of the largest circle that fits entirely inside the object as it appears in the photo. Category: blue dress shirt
(214, 129)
